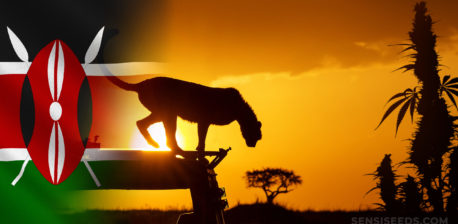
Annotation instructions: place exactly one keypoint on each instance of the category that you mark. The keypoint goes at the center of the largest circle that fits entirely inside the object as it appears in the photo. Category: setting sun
(156, 131)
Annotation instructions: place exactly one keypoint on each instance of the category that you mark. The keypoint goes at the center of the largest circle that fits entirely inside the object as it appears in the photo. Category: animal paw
(154, 144)
(176, 149)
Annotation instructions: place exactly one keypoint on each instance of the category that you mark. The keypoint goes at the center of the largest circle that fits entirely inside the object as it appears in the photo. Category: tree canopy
(273, 181)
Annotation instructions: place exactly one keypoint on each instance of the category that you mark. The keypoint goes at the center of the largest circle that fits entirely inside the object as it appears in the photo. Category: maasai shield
(56, 77)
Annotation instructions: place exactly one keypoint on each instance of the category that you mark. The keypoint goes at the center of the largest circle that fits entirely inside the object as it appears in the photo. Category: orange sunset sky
(317, 74)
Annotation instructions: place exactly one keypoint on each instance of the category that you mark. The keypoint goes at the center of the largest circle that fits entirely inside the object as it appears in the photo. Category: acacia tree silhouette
(273, 181)
(435, 131)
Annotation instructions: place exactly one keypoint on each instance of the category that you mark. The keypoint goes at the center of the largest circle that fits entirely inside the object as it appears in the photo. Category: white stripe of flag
(118, 69)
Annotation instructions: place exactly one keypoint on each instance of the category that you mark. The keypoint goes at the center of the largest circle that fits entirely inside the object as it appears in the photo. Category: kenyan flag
(57, 107)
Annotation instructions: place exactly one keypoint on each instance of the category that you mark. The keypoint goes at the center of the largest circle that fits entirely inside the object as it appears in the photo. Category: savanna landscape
(426, 189)
(238, 112)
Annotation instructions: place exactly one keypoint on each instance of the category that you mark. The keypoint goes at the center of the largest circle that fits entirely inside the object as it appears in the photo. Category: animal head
(251, 132)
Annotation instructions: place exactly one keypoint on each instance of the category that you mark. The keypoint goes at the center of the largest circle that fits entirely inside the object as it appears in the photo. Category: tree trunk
(270, 199)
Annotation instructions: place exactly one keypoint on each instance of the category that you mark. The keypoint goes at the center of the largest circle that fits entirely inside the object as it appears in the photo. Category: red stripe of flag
(10, 123)
(107, 109)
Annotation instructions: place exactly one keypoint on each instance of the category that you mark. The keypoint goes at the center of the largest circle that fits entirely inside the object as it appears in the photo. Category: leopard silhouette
(169, 98)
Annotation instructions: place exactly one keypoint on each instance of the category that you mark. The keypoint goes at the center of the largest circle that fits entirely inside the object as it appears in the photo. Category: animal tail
(117, 81)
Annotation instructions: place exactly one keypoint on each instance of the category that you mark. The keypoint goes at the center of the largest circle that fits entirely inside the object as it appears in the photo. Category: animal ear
(259, 124)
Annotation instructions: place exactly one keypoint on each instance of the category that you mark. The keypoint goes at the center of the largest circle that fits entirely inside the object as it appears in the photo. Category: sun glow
(157, 132)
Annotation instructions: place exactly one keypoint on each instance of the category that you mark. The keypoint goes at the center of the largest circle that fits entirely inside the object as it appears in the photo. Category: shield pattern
(55, 77)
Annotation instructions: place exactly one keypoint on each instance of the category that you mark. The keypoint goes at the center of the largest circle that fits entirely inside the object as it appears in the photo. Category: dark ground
(240, 214)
